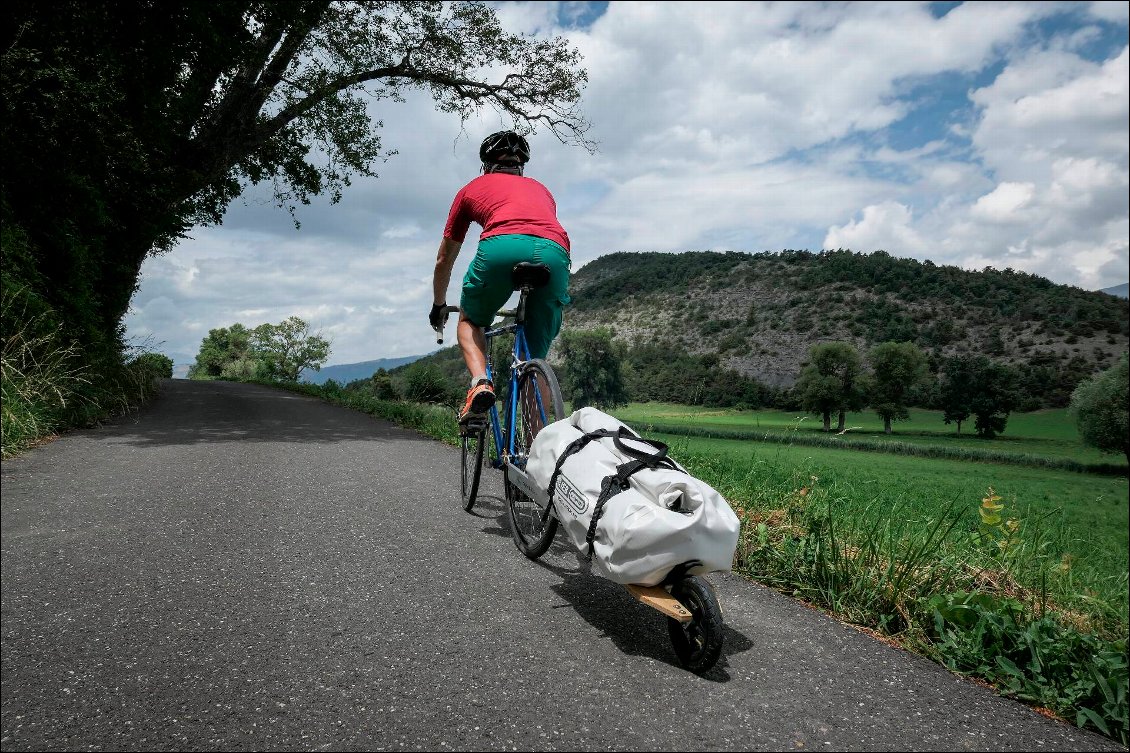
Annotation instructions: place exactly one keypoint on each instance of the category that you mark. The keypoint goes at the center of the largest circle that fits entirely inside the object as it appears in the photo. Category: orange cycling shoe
(480, 398)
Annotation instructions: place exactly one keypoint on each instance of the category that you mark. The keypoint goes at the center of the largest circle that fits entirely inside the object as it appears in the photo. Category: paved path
(240, 568)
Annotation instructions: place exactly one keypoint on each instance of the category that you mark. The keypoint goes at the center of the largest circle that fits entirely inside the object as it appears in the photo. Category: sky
(968, 134)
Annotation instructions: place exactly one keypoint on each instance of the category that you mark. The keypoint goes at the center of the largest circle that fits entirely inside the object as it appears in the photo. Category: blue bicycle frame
(518, 355)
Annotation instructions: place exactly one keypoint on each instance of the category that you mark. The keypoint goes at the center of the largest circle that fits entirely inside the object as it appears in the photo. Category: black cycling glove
(437, 317)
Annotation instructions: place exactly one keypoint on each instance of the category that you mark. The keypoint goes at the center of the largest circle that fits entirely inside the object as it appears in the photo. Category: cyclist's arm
(445, 260)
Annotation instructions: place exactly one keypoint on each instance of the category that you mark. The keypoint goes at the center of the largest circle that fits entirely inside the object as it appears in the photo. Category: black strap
(615, 483)
(618, 436)
(574, 447)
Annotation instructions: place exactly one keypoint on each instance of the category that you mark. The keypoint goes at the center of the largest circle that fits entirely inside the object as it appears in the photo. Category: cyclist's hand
(438, 316)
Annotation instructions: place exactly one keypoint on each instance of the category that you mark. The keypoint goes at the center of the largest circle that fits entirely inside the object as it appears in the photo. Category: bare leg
(474, 346)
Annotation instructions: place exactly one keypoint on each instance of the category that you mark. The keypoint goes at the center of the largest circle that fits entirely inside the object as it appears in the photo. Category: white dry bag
(633, 510)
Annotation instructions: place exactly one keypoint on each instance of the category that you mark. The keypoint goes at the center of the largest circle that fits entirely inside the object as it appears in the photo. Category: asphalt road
(239, 568)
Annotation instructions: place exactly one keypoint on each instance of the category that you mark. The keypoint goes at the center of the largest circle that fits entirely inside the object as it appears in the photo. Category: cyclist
(519, 223)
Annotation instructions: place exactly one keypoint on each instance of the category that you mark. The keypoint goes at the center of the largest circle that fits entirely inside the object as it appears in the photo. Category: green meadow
(1080, 520)
(1047, 433)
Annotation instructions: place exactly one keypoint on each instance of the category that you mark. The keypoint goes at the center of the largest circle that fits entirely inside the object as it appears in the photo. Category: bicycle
(532, 400)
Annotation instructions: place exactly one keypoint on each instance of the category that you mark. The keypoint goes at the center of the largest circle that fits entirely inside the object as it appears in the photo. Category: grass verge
(47, 387)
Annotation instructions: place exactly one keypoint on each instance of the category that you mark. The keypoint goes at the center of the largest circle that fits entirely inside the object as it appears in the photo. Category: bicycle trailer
(638, 514)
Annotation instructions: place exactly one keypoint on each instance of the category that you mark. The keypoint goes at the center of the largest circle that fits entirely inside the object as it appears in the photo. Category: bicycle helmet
(504, 146)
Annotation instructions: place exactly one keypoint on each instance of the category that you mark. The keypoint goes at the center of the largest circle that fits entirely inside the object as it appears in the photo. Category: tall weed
(40, 375)
(46, 382)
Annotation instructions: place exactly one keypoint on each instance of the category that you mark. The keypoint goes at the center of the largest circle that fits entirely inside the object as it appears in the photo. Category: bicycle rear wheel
(474, 438)
(532, 526)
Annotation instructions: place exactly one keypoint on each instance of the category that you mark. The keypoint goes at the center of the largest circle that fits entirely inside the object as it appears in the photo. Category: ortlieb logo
(574, 502)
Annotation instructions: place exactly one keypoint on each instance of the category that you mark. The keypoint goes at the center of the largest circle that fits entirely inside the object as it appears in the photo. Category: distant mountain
(760, 313)
(1119, 291)
(344, 373)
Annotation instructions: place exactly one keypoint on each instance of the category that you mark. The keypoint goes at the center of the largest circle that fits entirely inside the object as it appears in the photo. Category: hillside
(727, 329)
(761, 312)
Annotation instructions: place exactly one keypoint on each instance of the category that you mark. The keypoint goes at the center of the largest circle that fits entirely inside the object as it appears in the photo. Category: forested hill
(760, 313)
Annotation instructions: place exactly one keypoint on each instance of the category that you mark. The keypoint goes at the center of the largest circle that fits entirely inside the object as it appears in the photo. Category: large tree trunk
(887, 425)
(827, 420)
(843, 421)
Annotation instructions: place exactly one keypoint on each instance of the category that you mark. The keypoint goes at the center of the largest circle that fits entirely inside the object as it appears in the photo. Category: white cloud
(882, 226)
(1004, 203)
(746, 126)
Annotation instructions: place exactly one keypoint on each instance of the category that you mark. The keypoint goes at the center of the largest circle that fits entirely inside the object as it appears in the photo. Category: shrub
(159, 364)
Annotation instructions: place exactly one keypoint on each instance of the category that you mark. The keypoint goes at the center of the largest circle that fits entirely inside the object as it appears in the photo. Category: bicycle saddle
(527, 273)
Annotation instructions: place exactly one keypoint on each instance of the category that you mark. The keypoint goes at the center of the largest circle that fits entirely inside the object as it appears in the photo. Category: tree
(591, 372)
(425, 383)
(897, 369)
(270, 351)
(955, 390)
(831, 381)
(159, 364)
(993, 397)
(286, 348)
(382, 386)
(223, 354)
(125, 124)
(1101, 411)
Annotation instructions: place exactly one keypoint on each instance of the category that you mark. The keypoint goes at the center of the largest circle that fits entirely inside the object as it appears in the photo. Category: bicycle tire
(531, 526)
(698, 643)
(472, 465)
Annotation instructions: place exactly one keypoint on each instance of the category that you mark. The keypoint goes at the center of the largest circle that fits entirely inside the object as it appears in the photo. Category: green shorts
(487, 286)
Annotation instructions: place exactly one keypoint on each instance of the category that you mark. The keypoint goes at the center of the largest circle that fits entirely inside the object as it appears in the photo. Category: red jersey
(505, 204)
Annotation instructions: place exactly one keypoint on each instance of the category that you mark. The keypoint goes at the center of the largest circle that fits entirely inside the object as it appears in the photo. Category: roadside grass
(45, 385)
(1013, 575)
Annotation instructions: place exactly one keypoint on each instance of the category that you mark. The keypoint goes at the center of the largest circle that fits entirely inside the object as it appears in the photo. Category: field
(1081, 519)
(1047, 433)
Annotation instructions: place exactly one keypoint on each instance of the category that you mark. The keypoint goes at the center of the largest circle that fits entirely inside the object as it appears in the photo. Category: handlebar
(439, 330)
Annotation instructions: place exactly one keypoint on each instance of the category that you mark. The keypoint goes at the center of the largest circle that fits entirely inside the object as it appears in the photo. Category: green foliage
(897, 369)
(425, 383)
(158, 364)
(591, 372)
(956, 390)
(382, 386)
(993, 397)
(45, 384)
(1100, 407)
(974, 385)
(798, 296)
(287, 348)
(226, 353)
(267, 352)
(436, 421)
(832, 381)
(613, 277)
(666, 372)
(41, 374)
(1076, 674)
